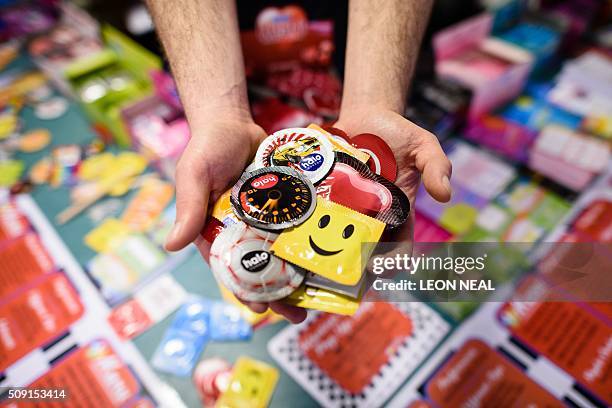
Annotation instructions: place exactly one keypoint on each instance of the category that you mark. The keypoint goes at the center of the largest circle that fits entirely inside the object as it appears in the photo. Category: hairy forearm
(201, 41)
(382, 47)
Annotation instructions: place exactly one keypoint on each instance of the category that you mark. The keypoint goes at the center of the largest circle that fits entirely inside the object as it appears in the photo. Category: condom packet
(181, 345)
(335, 242)
(227, 323)
(351, 183)
(382, 160)
(325, 300)
(339, 144)
(318, 281)
(251, 385)
(223, 211)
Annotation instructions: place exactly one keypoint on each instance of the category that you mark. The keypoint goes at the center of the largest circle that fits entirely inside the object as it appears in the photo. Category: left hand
(417, 152)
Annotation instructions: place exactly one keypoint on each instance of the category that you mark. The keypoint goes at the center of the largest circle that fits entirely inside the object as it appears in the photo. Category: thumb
(192, 193)
(434, 166)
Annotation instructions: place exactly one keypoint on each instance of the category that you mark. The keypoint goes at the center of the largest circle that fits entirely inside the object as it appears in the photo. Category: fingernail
(447, 185)
(173, 233)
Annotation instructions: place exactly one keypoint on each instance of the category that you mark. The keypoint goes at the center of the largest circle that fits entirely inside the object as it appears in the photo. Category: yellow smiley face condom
(335, 242)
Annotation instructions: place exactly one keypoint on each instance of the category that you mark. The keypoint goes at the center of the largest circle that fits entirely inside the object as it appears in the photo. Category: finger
(256, 307)
(192, 190)
(434, 166)
(293, 313)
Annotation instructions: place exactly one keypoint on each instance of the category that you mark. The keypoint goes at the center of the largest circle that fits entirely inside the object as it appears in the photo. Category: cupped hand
(215, 157)
(417, 152)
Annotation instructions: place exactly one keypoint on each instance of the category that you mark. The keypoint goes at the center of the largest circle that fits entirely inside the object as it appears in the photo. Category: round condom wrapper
(382, 161)
(241, 261)
(305, 150)
(351, 183)
(273, 198)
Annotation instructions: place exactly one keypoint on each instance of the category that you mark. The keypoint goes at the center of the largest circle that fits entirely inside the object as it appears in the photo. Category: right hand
(215, 157)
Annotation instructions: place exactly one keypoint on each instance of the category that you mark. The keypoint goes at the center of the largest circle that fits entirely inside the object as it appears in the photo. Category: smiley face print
(331, 242)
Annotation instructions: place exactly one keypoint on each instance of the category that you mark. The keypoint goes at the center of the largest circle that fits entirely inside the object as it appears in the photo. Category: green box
(124, 59)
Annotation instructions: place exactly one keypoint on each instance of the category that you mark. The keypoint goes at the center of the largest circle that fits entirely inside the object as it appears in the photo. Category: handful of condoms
(303, 219)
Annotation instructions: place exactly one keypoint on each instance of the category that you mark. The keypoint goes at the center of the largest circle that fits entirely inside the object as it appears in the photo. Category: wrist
(232, 117)
(227, 103)
(354, 105)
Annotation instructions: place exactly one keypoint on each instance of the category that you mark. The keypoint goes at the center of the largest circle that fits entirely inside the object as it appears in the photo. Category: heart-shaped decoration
(344, 184)
(351, 183)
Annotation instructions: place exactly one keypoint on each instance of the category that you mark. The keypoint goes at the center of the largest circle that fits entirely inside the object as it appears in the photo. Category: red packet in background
(420, 404)
(12, 222)
(283, 38)
(36, 316)
(129, 319)
(21, 261)
(92, 376)
(272, 114)
(319, 89)
(566, 333)
(595, 221)
(477, 375)
(426, 230)
(352, 350)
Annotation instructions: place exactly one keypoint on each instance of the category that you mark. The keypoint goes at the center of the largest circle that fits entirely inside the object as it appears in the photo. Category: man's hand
(417, 152)
(214, 159)
(201, 40)
(382, 47)
(418, 155)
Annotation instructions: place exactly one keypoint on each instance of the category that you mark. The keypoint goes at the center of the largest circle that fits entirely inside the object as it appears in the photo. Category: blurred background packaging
(519, 93)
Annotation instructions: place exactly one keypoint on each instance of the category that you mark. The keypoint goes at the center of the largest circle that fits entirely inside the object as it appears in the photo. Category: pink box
(570, 158)
(157, 130)
(495, 70)
(503, 136)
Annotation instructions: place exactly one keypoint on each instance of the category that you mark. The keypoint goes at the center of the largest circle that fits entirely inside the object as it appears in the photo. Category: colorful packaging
(508, 138)
(273, 198)
(36, 316)
(241, 261)
(382, 160)
(106, 235)
(251, 385)
(318, 281)
(211, 378)
(494, 70)
(284, 37)
(324, 300)
(223, 210)
(147, 205)
(335, 242)
(570, 158)
(341, 145)
(352, 184)
(491, 376)
(305, 150)
(13, 223)
(540, 40)
(273, 115)
(254, 319)
(183, 342)
(227, 323)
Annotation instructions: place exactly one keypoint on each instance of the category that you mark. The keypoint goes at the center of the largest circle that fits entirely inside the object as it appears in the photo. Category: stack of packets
(196, 323)
(249, 383)
(302, 221)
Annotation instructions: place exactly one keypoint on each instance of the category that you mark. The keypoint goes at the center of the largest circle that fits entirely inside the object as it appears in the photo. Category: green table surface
(193, 274)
